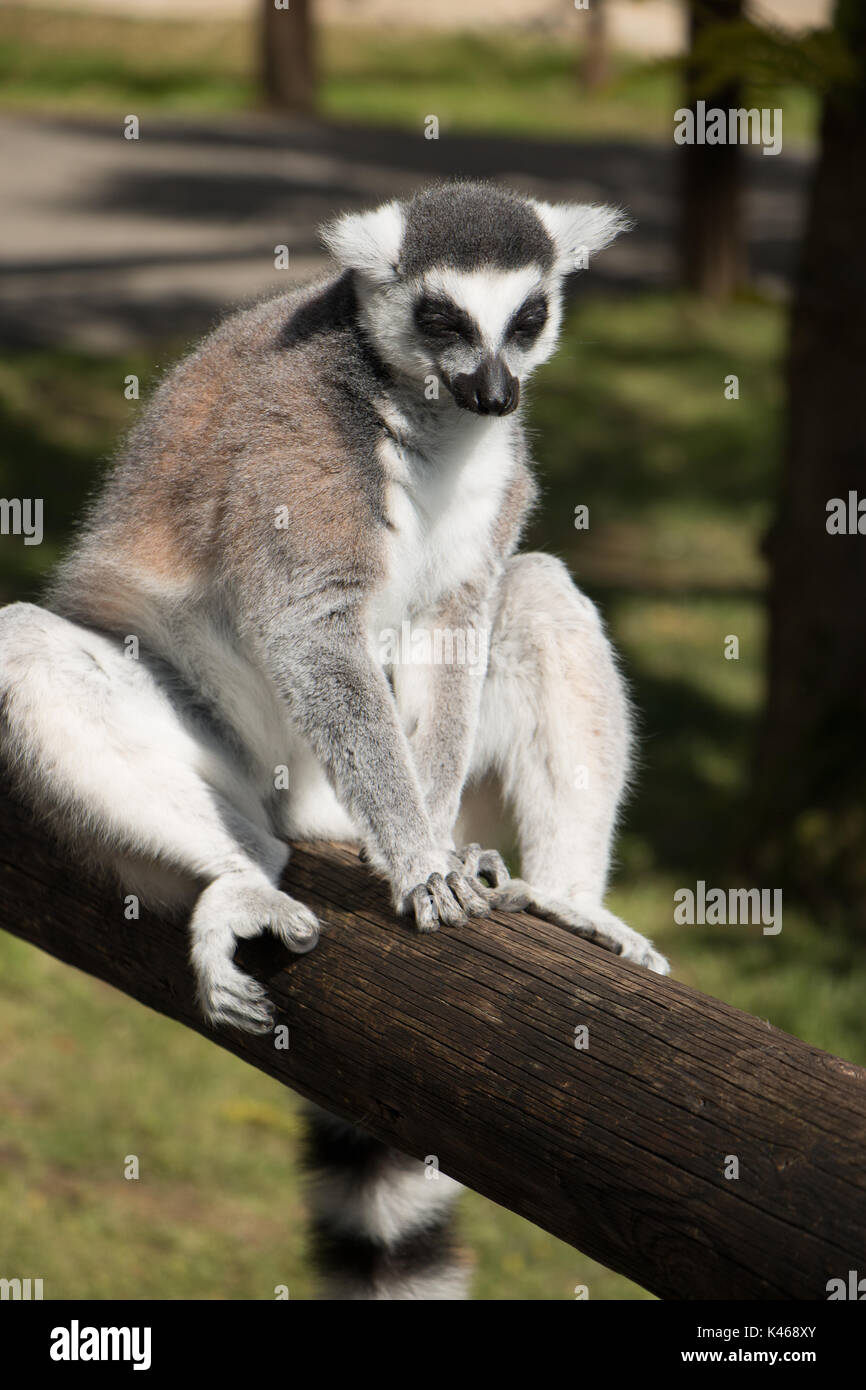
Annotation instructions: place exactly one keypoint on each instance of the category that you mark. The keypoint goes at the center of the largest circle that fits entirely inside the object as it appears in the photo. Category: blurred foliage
(766, 59)
(630, 420)
(106, 64)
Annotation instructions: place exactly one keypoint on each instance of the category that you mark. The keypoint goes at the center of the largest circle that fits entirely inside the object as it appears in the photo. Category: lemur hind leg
(555, 727)
(105, 754)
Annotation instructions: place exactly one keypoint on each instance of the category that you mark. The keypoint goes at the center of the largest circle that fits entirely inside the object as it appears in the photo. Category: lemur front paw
(449, 899)
(232, 999)
(233, 909)
(452, 898)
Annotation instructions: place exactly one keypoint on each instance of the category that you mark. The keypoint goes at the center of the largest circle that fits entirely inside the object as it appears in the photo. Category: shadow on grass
(35, 466)
(688, 819)
(633, 416)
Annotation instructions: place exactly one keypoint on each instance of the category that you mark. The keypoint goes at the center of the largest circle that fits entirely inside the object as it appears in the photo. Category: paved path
(108, 242)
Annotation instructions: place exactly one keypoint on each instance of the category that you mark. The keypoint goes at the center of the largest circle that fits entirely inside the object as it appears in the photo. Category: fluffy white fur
(578, 228)
(368, 242)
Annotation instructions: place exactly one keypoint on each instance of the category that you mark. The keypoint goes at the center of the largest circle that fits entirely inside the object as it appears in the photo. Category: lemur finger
(467, 894)
(259, 1022)
(423, 909)
(470, 858)
(492, 866)
(647, 956)
(239, 1002)
(519, 896)
(446, 905)
(512, 896)
(594, 924)
(487, 862)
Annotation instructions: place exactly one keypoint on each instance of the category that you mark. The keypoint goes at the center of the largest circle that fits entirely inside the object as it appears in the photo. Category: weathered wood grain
(461, 1045)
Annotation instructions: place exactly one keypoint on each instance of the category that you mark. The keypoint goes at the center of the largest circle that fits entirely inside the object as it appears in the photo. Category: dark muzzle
(489, 390)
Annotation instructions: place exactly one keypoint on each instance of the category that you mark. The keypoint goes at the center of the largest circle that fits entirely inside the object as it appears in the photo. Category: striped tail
(382, 1228)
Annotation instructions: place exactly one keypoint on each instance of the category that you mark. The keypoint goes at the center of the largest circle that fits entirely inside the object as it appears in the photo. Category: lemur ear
(367, 241)
(580, 229)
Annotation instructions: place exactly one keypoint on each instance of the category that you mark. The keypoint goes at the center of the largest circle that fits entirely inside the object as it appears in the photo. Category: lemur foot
(592, 923)
(230, 909)
(234, 1000)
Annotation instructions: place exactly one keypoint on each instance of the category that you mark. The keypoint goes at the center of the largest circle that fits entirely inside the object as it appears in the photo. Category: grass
(111, 65)
(630, 420)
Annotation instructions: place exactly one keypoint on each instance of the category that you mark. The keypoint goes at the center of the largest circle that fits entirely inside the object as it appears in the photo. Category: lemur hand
(451, 898)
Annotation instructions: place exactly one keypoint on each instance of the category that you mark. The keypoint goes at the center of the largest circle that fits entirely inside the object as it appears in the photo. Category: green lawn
(630, 420)
(503, 82)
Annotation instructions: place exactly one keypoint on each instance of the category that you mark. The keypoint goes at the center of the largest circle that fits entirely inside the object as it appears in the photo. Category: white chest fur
(441, 506)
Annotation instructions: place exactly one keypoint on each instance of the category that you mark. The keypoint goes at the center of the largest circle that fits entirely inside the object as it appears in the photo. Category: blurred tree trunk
(811, 773)
(287, 55)
(711, 237)
(595, 59)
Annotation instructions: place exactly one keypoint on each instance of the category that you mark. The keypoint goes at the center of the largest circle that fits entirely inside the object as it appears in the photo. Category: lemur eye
(528, 321)
(439, 318)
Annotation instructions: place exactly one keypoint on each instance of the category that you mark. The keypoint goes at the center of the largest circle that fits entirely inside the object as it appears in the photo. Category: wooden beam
(461, 1045)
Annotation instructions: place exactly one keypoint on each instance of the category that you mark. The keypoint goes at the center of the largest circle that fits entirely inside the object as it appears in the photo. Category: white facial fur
(369, 243)
(490, 297)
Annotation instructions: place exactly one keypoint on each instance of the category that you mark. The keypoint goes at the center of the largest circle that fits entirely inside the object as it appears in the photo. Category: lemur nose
(489, 390)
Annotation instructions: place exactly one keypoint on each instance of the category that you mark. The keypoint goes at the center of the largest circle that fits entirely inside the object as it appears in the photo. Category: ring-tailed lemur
(327, 467)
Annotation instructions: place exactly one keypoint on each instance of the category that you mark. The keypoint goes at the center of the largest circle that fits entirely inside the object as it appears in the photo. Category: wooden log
(461, 1045)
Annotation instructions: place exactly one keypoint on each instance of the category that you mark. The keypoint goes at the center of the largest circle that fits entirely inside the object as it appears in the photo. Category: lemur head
(463, 282)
